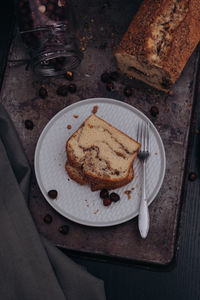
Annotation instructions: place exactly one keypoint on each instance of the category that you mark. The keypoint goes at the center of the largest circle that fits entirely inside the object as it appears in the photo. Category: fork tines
(143, 136)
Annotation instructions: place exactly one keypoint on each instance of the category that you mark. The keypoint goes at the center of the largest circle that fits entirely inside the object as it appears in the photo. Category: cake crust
(77, 175)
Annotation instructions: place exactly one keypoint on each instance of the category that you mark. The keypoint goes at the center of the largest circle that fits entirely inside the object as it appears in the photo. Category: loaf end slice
(159, 41)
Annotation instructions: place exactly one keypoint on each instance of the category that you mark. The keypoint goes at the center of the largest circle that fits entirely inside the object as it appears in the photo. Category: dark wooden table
(180, 280)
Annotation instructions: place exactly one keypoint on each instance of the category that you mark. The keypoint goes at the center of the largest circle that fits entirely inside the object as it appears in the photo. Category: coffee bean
(114, 75)
(114, 197)
(53, 194)
(107, 201)
(62, 90)
(64, 229)
(43, 92)
(69, 75)
(72, 88)
(110, 86)
(29, 124)
(104, 194)
(128, 91)
(47, 219)
(192, 176)
(105, 77)
(154, 111)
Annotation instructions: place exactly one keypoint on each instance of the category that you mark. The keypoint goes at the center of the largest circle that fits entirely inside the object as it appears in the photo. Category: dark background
(180, 280)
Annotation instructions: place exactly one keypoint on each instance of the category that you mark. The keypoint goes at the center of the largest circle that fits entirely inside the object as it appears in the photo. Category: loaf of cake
(159, 41)
(77, 175)
(101, 155)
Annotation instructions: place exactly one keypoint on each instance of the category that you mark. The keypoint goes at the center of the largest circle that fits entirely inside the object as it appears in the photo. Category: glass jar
(48, 29)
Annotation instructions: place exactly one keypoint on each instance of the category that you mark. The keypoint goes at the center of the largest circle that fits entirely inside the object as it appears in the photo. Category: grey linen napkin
(30, 267)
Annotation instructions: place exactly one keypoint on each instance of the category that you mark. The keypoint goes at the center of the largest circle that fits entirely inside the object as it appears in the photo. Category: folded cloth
(30, 267)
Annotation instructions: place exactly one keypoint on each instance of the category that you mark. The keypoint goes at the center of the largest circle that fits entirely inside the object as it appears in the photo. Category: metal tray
(102, 24)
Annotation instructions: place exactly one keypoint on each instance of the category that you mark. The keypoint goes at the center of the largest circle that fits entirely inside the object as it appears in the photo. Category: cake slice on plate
(104, 154)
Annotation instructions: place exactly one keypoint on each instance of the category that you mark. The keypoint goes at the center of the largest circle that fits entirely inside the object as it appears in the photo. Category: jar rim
(73, 59)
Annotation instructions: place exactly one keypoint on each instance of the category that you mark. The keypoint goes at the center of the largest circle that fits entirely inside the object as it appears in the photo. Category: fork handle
(143, 222)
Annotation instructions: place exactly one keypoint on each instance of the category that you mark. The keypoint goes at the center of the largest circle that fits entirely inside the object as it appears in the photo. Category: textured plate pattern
(77, 202)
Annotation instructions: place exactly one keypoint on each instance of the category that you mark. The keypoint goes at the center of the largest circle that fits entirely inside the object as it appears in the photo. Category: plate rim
(50, 124)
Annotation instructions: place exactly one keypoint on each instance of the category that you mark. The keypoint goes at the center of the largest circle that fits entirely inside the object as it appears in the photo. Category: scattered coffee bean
(72, 88)
(69, 75)
(105, 77)
(107, 201)
(114, 197)
(48, 219)
(114, 75)
(128, 91)
(104, 194)
(64, 229)
(29, 124)
(154, 111)
(192, 176)
(110, 86)
(53, 194)
(62, 90)
(43, 92)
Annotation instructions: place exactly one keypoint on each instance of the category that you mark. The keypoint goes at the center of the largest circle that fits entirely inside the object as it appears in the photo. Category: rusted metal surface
(102, 24)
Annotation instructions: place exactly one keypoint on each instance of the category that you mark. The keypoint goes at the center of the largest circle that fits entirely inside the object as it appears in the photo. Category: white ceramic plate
(77, 202)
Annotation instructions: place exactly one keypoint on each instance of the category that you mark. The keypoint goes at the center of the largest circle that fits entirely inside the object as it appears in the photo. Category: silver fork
(143, 139)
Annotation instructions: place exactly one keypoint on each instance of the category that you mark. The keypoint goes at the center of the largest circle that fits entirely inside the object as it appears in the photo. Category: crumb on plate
(128, 193)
